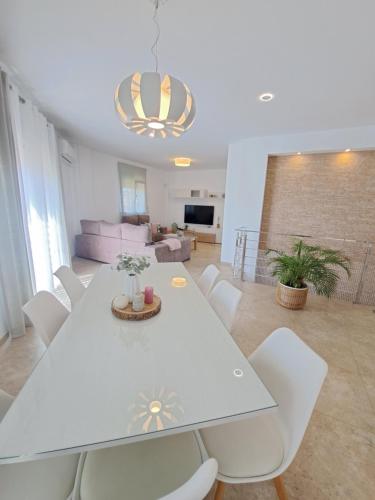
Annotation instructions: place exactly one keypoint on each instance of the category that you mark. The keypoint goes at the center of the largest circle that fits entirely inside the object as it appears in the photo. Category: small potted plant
(306, 264)
(134, 266)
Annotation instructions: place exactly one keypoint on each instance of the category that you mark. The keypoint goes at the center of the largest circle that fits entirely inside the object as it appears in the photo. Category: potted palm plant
(307, 264)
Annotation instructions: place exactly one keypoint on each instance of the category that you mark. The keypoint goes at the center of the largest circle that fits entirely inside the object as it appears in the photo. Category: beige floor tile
(336, 461)
(344, 397)
(17, 359)
(369, 384)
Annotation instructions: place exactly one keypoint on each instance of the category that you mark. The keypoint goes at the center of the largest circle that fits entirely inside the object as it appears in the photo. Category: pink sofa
(103, 241)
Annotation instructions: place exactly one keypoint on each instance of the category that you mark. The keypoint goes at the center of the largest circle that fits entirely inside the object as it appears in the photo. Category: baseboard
(4, 338)
(208, 242)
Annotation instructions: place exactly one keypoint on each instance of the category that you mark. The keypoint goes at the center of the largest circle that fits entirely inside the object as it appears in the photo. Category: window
(140, 197)
(133, 189)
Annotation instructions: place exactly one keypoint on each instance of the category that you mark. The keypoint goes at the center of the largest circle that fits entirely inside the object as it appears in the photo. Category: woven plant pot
(291, 298)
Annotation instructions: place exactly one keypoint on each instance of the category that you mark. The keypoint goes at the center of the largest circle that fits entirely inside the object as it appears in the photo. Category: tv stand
(201, 237)
(206, 237)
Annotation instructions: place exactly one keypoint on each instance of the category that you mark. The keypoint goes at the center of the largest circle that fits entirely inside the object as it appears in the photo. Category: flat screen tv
(199, 214)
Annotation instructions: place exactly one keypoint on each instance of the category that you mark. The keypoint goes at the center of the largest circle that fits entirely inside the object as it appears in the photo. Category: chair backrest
(224, 299)
(294, 375)
(198, 486)
(6, 401)
(71, 283)
(46, 313)
(43, 479)
(208, 278)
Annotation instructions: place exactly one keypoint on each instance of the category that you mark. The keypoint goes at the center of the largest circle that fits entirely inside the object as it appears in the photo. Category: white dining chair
(152, 259)
(6, 401)
(198, 486)
(47, 479)
(168, 468)
(71, 283)
(47, 314)
(224, 299)
(263, 447)
(208, 278)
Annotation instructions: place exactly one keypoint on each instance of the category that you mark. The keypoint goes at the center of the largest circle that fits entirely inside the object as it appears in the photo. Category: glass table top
(104, 381)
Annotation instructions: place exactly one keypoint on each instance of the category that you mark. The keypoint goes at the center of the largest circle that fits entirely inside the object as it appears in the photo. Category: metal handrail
(291, 235)
(249, 254)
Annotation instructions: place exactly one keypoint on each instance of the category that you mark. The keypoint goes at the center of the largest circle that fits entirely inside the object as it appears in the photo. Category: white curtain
(41, 193)
(15, 280)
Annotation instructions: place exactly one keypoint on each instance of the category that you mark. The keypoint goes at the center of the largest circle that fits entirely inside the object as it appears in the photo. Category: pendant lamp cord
(154, 48)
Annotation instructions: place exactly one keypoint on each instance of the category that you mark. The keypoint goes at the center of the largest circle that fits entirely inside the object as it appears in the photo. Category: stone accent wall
(324, 196)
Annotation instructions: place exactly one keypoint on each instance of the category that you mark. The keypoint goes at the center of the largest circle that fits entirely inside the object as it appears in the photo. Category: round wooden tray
(148, 312)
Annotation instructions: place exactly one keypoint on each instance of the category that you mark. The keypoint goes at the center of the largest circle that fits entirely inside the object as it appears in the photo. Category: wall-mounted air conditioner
(67, 152)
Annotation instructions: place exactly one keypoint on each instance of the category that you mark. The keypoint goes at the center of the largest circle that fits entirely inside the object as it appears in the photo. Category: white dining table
(104, 381)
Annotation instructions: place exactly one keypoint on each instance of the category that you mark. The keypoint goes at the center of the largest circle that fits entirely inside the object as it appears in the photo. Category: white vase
(131, 286)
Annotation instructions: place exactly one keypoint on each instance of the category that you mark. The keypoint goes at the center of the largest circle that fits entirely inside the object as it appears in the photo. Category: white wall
(247, 166)
(92, 190)
(212, 180)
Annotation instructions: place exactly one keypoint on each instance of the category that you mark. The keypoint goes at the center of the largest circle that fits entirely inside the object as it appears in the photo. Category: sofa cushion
(136, 220)
(163, 254)
(143, 219)
(90, 226)
(157, 237)
(135, 233)
(131, 219)
(110, 230)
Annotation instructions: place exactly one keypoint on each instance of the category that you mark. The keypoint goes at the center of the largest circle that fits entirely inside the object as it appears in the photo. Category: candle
(138, 302)
(149, 295)
(121, 301)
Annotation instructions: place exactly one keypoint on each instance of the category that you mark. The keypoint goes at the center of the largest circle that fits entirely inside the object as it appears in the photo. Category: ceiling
(316, 56)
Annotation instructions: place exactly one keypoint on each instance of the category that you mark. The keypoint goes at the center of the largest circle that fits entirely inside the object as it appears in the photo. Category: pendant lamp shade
(156, 106)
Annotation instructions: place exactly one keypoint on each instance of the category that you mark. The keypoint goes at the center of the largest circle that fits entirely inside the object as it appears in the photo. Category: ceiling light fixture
(266, 97)
(149, 100)
(156, 125)
(182, 162)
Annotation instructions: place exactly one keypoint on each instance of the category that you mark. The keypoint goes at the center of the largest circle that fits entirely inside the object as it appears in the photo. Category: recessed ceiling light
(182, 162)
(266, 97)
(347, 150)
